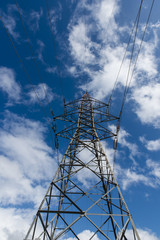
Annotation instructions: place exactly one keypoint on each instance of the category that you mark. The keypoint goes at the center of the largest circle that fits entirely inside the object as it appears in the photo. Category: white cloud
(51, 69)
(55, 16)
(26, 161)
(154, 168)
(10, 21)
(96, 47)
(81, 44)
(123, 140)
(9, 85)
(86, 234)
(40, 50)
(100, 61)
(11, 25)
(107, 21)
(44, 93)
(103, 80)
(109, 153)
(125, 143)
(86, 176)
(147, 107)
(126, 176)
(86, 52)
(147, 62)
(151, 145)
(129, 177)
(34, 19)
(14, 223)
(12, 88)
(144, 234)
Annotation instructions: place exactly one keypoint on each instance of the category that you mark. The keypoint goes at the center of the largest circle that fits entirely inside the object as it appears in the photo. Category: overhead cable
(54, 47)
(128, 82)
(130, 63)
(32, 53)
(26, 72)
(141, 43)
(124, 56)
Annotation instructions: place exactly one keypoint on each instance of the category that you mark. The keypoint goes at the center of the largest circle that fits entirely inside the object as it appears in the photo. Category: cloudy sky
(56, 50)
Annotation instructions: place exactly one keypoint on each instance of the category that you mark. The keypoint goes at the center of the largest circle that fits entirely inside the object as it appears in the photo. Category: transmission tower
(84, 194)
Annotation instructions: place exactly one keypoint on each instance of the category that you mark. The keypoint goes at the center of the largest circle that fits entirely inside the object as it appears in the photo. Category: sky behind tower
(53, 51)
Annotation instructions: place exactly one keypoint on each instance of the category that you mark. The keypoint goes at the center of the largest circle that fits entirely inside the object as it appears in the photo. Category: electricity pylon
(84, 194)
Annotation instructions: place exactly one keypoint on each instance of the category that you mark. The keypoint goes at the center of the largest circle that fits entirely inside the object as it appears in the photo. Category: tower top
(86, 95)
(89, 110)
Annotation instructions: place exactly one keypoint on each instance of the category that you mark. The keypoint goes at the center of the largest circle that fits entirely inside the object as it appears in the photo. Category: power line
(141, 43)
(31, 49)
(129, 40)
(128, 82)
(136, 23)
(130, 63)
(26, 73)
(59, 74)
(54, 47)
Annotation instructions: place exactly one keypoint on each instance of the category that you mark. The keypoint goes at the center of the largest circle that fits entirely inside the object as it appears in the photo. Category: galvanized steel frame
(87, 116)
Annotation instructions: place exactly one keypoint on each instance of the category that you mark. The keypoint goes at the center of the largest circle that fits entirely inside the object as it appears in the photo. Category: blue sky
(85, 52)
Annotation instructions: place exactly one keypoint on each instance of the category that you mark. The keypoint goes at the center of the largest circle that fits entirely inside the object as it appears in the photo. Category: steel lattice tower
(70, 206)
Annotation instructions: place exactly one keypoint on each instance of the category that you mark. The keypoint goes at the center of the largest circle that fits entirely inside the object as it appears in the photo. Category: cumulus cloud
(146, 234)
(129, 177)
(147, 101)
(9, 85)
(41, 92)
(147, 62)
(154, 168)
(123, 140)
(26, 160)
(103, 80)
(86, 176)
(109, 151)
(100, 61)
(27, 166)
(107, 21)
(81, 44)
(151, 145)
(14, 223)
(149, 175)
(96, 47)
(126, 143)
(86, 234)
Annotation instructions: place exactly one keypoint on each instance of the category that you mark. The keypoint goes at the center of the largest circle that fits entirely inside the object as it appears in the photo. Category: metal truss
(84, 194)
